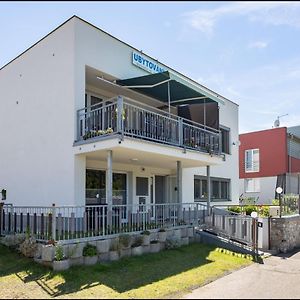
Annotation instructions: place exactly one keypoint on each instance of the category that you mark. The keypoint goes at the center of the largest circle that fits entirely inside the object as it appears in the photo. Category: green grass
(167, 274)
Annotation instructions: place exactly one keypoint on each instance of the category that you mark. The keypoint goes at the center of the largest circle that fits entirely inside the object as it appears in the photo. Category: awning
(170, 88)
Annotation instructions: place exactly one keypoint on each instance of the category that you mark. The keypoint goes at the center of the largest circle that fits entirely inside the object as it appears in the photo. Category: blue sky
(247, 51)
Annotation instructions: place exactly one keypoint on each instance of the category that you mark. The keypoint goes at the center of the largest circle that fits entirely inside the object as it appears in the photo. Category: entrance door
(143, 194)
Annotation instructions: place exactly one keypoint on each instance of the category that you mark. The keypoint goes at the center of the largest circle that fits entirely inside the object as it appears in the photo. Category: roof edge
(74, 16)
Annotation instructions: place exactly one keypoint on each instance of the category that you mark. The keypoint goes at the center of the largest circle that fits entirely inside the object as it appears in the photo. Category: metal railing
(235, 227)
(75, 222)
(127, 117)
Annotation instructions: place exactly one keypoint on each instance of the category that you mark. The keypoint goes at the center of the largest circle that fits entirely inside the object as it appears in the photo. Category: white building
(130, 146)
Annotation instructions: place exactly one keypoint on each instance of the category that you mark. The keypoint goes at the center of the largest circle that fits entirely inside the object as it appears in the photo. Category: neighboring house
(269, 159)
(88, 119)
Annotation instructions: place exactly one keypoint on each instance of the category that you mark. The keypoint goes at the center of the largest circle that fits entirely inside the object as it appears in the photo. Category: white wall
(102, 52)
(38, 165)
(36, 155)
(267, 190)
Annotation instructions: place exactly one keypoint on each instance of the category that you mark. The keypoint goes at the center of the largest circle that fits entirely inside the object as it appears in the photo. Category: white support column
(208, 189)
(109, 187)
(179, 189)
(179, 182)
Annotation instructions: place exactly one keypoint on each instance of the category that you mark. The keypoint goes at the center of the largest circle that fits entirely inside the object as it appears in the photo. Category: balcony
(127, 118)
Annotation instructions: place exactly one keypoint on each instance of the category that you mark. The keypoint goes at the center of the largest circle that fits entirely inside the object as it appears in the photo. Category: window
(252, 160)
(252, 185)
(225, 140)
(219, 188)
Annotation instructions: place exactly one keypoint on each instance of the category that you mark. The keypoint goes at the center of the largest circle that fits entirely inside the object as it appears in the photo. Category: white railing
(75, 222)
(236, 227)
(127, 117)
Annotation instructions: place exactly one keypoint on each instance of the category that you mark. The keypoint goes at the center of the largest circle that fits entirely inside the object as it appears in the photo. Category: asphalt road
(278, 277)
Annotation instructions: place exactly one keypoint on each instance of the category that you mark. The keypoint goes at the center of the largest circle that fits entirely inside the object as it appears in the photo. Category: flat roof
(75, 16)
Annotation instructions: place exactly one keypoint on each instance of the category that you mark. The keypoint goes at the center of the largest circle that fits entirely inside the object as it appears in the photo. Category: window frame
(227, 129)
(255, 185)
(216, 179)
(253, 169)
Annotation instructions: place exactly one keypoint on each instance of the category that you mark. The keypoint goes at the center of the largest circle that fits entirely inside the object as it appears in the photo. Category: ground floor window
(220, 188)
(252, 185)
(96, 187)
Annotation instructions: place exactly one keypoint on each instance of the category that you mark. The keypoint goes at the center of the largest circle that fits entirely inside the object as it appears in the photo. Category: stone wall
(285, 234)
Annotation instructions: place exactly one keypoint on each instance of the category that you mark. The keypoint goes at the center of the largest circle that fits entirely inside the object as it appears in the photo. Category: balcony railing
(127, 117)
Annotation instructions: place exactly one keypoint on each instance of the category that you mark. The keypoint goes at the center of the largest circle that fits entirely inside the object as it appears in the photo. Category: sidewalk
(277, 278)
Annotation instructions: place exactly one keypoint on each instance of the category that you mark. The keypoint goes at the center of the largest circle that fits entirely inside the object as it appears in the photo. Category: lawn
(168, 274)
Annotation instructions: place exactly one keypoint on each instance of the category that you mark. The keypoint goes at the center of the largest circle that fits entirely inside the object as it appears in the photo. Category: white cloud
(274, 13)
(258, 44)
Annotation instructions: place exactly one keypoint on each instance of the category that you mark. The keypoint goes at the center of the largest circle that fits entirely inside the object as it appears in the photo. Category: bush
(235, 209)
(125, 240)
(13, 240)
(29, 247)
(59, 253)
(172, 243)
(146, 232)
(138, 241)
(90, 250)
(161, 230)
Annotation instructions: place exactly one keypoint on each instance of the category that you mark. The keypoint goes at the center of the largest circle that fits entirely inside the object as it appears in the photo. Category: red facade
(272, 145)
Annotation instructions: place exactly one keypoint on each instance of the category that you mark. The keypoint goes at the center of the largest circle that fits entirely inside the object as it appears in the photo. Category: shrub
(146, 232)
(172, 243)
(59, 253)
(29, 247)
(235, 209)
(138, 241)
(125, 240)
(90, 250)
(13, 240)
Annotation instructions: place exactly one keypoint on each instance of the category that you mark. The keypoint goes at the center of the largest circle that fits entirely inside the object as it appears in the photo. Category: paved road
(278, 277)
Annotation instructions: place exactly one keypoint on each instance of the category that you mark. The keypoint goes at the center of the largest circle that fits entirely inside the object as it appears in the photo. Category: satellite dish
(277, 123)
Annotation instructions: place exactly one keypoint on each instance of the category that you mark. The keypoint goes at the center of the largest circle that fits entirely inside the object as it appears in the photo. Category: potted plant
(154, 246)
(90, 255)
(162, 235)
(146, 237)
(137, 248)
(60, 262)
(114, 250)
(125, 241)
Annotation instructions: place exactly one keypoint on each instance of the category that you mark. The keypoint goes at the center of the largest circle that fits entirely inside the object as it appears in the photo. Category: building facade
(269, 159)
(88, 119)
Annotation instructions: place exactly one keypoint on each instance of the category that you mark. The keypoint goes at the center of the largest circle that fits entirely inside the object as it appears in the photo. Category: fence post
(53, 222)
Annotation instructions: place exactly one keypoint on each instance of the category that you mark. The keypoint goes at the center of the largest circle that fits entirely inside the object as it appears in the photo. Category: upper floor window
(225, 140)
(252, 160)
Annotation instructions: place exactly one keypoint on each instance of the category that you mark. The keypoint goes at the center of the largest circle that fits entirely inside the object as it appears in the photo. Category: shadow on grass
(121, 276)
